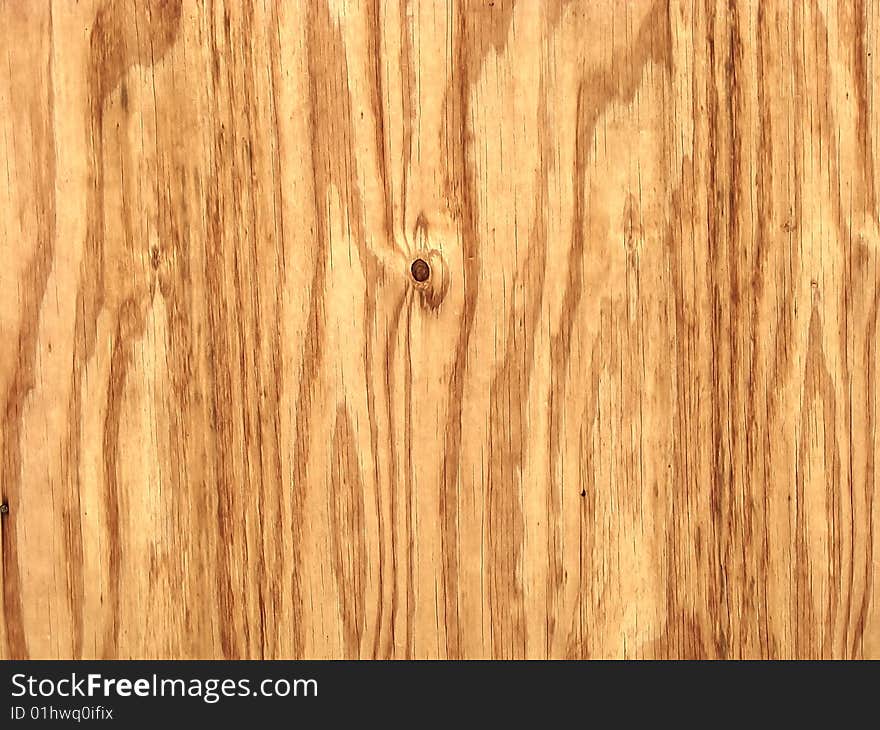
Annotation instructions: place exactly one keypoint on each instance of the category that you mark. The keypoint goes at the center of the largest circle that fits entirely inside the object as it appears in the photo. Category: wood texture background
(632, 413)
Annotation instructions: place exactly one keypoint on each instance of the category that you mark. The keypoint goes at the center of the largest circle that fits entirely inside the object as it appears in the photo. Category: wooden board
(632, 411)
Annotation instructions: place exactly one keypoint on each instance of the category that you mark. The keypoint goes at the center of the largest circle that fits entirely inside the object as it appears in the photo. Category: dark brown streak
(374, 287)
(32, 291)
(129, 325)
(619, 80)
(734, 527)
(255, 380)
(388, 367)
(758, 434)
(858, 277)
(276, 384)
(858, 31)
(349, 553)
(408, 101)
(508, 403)
(314, 339)
(374, 36)
(409, 485)
(114, 48)
(332, 131)
(721, 198)
(474, 24)
(870, 349)
(818, 386)
(464, 205)
(683, 634)
(227, 370)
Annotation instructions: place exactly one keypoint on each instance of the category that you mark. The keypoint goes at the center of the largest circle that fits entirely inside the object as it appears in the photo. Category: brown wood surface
(632, 411)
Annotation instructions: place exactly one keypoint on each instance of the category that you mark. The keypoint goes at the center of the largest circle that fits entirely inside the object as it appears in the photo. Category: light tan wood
(632, 412)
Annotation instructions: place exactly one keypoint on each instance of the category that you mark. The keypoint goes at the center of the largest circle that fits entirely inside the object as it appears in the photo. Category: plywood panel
(631, 412)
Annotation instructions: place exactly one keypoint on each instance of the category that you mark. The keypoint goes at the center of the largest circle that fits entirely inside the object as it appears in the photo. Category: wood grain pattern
(632, 412)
